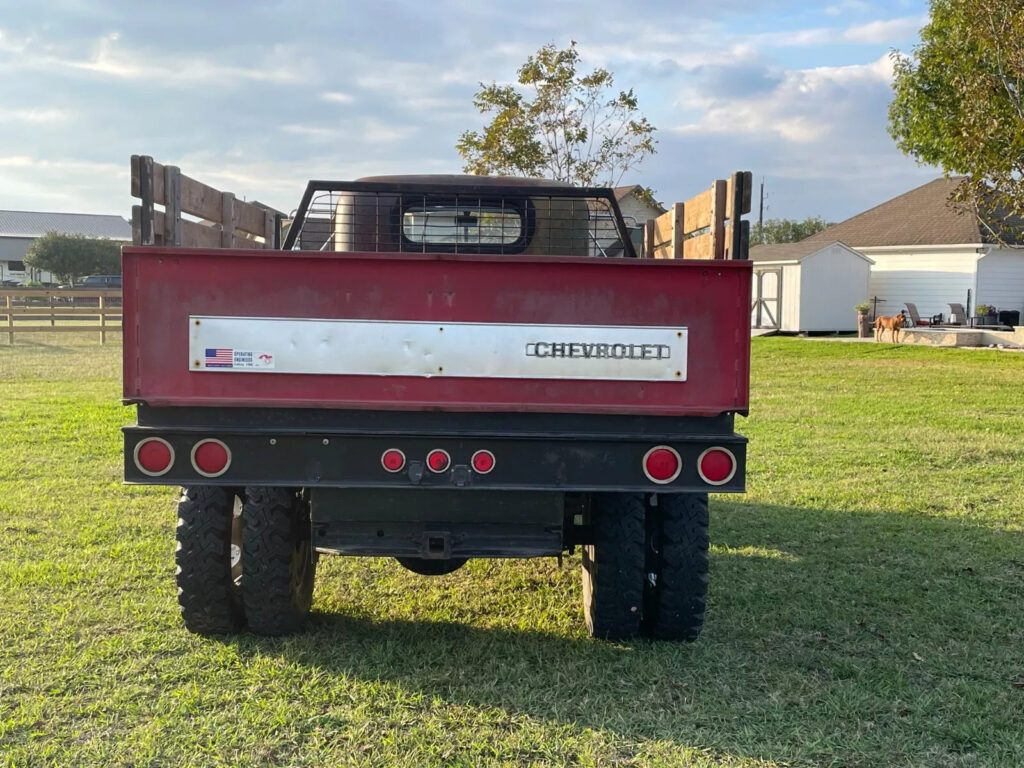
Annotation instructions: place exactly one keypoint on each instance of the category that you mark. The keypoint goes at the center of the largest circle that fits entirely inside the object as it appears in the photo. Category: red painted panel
(163, 286)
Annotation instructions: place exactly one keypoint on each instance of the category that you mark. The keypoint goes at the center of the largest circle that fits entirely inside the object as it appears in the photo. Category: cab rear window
(487, 225)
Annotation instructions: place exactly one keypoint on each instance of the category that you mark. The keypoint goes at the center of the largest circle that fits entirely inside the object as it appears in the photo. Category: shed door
(766, 308)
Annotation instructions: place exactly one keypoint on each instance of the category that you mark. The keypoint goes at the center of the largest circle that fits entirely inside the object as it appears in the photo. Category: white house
(807, 287)
(927, 252)
(19, 229)
(636, 207)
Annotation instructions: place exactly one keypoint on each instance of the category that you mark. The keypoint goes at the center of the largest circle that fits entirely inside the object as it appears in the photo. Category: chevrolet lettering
(583, 350)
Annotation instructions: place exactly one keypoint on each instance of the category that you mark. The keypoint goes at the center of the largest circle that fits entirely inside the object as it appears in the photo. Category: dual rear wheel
(646, 572)
(244, 558)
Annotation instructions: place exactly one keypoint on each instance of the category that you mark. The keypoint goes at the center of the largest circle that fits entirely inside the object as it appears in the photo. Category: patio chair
(915, 317)
(957, 314)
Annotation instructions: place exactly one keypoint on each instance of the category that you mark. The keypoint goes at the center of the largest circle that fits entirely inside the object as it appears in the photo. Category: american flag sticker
(219, 358)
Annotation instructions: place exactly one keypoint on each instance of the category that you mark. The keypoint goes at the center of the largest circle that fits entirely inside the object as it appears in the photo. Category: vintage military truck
(436, 368)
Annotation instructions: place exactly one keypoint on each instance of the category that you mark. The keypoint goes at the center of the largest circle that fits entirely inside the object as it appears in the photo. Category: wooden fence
(697, 229)
(225, 221)
(40, 310)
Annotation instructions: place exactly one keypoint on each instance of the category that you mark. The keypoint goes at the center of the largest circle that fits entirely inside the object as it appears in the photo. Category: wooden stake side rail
(227, 222)
(57, 306)
(697, 228)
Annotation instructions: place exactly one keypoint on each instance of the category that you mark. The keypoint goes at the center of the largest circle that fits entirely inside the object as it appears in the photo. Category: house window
(15, 266)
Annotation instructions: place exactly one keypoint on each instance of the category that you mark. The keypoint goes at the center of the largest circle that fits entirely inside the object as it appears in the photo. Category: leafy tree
(559, 124)
(959, 102)
(71, 256)
(786, 230)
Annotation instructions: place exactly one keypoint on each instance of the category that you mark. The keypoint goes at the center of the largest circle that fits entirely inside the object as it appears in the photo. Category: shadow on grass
(830, 635)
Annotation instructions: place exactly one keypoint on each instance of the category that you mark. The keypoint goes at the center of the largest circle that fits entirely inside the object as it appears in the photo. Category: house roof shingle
(621, 193)
(38, 223)
(922, 216)
(785, 251)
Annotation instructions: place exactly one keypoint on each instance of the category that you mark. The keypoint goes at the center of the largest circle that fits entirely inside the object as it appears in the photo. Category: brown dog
(892, 323)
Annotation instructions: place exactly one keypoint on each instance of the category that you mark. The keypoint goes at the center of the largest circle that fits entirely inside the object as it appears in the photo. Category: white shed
(807, 287)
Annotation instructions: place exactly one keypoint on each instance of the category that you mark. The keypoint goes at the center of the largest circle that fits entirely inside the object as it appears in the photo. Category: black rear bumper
(320, 448)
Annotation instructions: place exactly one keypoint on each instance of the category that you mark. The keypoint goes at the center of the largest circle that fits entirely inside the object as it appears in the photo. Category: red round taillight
(662, 464)
(483, 462)
(393, 460)
(438, 460)
(716, 466)
(211, 458)
(154, 456)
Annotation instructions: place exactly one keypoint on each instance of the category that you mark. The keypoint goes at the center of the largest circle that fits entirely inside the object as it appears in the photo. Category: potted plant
(986, 314)
(863, 326)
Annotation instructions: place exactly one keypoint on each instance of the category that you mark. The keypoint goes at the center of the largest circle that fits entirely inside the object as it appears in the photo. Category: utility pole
(760, 213)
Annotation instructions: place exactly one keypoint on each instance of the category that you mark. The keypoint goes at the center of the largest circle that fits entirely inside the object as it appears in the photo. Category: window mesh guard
(422, 218)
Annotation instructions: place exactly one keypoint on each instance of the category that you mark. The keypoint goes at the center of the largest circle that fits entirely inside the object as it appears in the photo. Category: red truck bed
(167, 291)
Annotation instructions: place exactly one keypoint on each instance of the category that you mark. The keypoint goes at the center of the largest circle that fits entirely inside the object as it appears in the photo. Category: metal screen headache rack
(494, 216)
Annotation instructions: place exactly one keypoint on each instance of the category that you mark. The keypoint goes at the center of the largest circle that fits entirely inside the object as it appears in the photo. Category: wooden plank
(663, 226)
(698, 211)
(241, 241)
(45, 293)
(649, 239)
(250, 218)
(146, 192)
(197, 198)
(58, 311)
(227, 219)
(739, 194)
(136, 187)
(172, 205)
(63, 329)
(269, 227)
(699, 247)
(201, 200)
(678, 212)
(717, 225)
(738, 200)
(195, 235)
(136, 225)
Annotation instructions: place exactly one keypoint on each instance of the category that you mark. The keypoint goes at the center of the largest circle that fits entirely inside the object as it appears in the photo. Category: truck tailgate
(366, 331)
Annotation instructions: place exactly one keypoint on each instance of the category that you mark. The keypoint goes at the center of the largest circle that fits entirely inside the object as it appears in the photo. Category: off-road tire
(676, 583)
(278, 561)
(613, 566)
(209, 598)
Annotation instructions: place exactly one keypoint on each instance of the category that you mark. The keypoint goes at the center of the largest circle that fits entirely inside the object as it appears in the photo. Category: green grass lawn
(866, 609)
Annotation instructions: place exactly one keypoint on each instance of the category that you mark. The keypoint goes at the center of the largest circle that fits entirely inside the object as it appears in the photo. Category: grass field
(867, 601)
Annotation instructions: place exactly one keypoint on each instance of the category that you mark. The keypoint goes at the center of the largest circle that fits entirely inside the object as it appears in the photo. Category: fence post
(103, 320)
(53, 319)
(227, 219)
(10, 322)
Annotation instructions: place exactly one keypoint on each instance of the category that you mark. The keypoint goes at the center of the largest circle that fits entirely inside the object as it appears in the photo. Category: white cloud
(847, 5)
(806, 107)
(888, 31)
(878, 32)
(34, 116)
(337, 97)
(108, 58)
(34, 183)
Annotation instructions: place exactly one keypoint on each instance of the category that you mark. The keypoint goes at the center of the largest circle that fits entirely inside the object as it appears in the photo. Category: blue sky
(257, 97)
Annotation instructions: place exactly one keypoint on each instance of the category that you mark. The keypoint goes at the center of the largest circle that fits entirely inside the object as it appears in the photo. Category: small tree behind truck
(433, 369)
